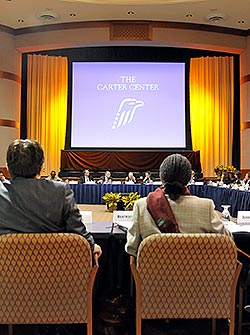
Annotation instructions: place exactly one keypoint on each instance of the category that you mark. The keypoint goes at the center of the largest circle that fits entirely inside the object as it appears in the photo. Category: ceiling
(29, 13)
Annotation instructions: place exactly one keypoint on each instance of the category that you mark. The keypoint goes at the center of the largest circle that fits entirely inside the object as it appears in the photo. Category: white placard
(87, 216)
(233, 227)
(243, 218)
(199, 183)
(121, 216)
(156, 183)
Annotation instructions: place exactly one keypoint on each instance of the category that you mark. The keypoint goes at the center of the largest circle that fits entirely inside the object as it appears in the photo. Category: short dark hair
(24, 158)
(175, 173)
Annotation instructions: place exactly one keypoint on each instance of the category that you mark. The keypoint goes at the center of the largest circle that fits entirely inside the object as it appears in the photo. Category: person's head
(86, 172)
(53, 174)
(225, 175)
(238, 175)
(175, 173)
(247, 175)
(24, 158)
(108, 174)
(130, 175)
(147, 174)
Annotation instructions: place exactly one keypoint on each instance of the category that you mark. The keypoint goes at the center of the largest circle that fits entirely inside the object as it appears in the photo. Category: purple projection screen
(128, 105)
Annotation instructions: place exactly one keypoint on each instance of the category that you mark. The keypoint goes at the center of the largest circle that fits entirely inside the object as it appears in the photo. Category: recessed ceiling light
(130, 12)
(241, 21)
(20, 20)
(189, 15)
(215, 17)
(72, 14)
(48, 16)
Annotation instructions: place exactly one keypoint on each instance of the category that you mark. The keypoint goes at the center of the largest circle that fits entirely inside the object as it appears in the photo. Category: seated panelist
(106, 179)
(86, 177)
(52, 176)
(130, 178)
(147, 178)
(246, 180)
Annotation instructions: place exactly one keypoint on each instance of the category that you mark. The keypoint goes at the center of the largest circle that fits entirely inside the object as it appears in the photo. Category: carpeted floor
(173, 327)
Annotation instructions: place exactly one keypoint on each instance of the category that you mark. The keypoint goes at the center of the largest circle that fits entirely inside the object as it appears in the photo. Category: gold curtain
(47, 89)
(211, 110)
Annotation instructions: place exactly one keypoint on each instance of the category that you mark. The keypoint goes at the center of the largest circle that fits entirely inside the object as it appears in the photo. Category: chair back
(46, 279)
(185, 276)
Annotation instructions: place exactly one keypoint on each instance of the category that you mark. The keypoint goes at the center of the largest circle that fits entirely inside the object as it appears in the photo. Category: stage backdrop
(121, 161)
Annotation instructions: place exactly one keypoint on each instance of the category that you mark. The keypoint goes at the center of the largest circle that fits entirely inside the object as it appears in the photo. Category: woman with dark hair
(172, 208)
(238, 178)
(225, 179)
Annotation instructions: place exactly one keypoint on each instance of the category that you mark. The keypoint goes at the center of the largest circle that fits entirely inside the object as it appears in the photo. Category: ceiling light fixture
(48, 16)
(215, 17)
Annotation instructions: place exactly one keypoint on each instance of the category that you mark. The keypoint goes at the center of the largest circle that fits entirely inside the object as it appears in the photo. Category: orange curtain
(211, 110)
(47, 105)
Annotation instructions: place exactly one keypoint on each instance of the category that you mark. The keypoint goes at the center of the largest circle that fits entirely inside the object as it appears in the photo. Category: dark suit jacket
(103, 180)
(30, 205)
(83, 179)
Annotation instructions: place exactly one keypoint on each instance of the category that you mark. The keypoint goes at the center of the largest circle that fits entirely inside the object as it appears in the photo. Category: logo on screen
(126, 112)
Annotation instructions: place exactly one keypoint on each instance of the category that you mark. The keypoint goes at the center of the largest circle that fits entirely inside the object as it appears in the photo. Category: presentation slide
(128, 105)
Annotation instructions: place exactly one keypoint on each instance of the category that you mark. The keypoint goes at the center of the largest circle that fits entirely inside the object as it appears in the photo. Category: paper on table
(87, 216)
(235, 228)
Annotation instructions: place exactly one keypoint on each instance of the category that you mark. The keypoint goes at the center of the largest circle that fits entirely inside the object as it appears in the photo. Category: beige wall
(98, 34)
(10, 89)
(245, 105)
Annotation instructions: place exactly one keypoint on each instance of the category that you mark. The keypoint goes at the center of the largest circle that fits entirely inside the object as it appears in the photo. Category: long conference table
(93, 193)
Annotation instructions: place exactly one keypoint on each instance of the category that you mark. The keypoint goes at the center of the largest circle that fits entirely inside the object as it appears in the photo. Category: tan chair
(189, 276)
(46, 279)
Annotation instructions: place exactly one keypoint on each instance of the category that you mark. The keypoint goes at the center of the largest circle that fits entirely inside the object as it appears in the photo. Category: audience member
(147, 178)
(86, 177)
(130, 178)
(106, 179)
(172, 207)
(33, 205)
(52, 176)
(2, 177)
